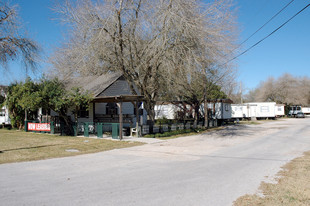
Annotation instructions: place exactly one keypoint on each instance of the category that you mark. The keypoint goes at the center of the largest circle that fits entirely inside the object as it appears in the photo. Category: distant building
(4, 112)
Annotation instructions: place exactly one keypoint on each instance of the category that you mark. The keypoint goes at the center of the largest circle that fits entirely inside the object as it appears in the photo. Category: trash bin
(115, 130)
(74, 128)
(99, 130)
(52, 127)
(86, 129)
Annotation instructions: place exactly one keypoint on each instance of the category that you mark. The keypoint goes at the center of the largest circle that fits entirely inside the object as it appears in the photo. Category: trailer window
(264, 109)
(226, 107)
(2, 112)
(238, 109)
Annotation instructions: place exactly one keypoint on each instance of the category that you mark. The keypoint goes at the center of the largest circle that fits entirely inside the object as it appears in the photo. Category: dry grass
(17, 146)
(251, 122)
(292, 189)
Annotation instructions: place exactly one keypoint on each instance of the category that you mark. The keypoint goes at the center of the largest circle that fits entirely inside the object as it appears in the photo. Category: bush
(172, 133)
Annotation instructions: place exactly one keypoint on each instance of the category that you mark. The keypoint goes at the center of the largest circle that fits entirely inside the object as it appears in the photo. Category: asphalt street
(214, 168)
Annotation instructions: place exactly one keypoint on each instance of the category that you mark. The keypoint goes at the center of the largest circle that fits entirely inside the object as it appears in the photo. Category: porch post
(94, 111)
(120, 105)
(137, 118)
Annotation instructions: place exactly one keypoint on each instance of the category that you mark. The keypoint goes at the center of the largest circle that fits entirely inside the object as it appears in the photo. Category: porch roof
(119, 98)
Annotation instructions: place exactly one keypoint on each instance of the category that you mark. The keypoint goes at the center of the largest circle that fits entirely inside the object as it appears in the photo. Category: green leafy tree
(26, 98)
(78, 99)
(56, 97)
(30, 98)
(12, 102)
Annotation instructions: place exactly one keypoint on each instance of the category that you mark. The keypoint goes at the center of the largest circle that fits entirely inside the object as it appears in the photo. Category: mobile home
(305, 110)
(280, 110)
(254, 110)
(239, 111)
(4, 112)
(4, 116)
(221, 108)
(165, 110)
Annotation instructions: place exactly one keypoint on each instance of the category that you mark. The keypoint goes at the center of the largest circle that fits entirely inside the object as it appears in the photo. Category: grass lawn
(292, 189)
(18, 146)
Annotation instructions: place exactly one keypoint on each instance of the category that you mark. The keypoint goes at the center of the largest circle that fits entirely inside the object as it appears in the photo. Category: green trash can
(74, 127)
(115, 130)
(86, 129)
(99, 130)
(52, 128)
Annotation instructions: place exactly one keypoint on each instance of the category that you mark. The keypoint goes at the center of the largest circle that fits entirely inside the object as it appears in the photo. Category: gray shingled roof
(93, 84)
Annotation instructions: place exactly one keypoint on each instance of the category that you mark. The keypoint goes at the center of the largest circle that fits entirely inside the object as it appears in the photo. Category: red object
(43, 127)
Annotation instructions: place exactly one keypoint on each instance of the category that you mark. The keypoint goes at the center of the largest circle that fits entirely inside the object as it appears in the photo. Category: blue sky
(286, 51)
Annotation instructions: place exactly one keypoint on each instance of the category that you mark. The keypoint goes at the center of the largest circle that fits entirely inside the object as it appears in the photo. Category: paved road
(207, 169)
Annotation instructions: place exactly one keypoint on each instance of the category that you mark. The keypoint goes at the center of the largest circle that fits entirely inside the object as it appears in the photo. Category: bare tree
(149, 42)
(287, 89)
(13, 44)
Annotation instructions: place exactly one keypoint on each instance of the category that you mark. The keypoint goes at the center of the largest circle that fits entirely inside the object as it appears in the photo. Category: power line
(267, 22)
(274, 31)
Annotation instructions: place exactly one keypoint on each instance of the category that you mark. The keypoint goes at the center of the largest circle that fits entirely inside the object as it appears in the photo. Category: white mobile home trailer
(4, 111)
(280, 110)
(4, 116)
(258, 110)
(265, 110)
(305, 110)
(165, 110)
(221, 108)
(238, 111)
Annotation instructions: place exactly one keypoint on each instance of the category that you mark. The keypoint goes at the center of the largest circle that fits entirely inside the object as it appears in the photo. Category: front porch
(114, 114)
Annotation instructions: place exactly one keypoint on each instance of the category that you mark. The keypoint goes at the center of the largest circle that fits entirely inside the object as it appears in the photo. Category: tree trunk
(149, 107)
(196, 117)
(206, 116)
(69, 129)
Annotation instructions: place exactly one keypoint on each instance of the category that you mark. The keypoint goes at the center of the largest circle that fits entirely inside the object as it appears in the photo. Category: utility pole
(241, 100)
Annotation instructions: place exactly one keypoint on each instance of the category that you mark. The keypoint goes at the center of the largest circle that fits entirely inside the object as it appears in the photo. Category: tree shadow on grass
(25, 148)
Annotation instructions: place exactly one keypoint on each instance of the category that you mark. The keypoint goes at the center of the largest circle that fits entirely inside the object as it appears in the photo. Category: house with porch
(113, 101)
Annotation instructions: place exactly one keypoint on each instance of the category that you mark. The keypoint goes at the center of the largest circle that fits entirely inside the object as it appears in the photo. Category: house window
(111, 108)
(279, 109)
(83, 113)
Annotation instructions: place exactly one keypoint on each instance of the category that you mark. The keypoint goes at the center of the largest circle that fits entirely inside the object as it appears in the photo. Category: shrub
(172, 133)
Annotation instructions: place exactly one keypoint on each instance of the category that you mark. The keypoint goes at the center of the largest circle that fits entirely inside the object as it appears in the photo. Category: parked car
(300, 115)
